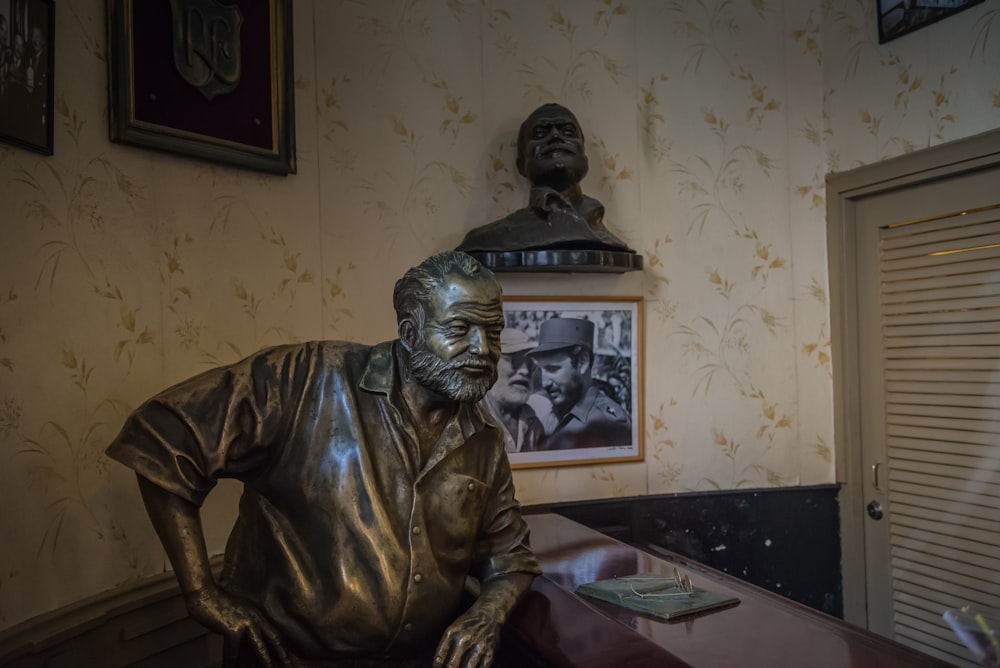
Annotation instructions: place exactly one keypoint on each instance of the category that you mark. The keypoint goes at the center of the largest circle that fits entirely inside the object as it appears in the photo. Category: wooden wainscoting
(138, 625)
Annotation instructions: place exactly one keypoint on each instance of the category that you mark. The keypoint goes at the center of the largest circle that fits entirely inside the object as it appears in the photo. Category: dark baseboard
(786, 539)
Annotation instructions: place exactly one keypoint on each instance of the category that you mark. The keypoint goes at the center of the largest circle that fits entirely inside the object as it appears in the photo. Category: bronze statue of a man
(551, 155)
(373, 486)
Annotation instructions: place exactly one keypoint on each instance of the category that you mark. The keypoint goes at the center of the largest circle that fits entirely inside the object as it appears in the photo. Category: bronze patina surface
(561, 229)
(373, 487)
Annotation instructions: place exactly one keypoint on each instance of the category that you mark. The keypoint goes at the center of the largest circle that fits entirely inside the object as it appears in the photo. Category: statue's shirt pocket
(453, 510)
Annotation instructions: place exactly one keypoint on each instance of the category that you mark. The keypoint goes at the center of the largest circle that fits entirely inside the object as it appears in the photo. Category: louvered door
(929, 271)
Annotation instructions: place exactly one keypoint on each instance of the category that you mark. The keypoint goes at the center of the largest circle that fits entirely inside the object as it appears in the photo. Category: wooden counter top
(763, 631)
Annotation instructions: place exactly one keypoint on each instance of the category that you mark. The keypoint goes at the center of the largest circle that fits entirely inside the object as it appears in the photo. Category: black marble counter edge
(784, 539)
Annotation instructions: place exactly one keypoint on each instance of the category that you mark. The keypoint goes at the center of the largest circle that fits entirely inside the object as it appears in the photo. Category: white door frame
(842, 192)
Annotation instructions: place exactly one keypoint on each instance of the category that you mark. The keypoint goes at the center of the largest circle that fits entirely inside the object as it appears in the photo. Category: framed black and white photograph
(569, 382)
(27, 32)
(899, 17)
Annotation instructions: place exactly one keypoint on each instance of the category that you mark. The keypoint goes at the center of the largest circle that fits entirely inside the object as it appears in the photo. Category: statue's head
(550, 148)
(449, 311)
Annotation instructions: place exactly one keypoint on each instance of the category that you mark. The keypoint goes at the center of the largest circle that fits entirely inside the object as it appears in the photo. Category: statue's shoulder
(507, 233)
(591, 209)
(326, 353)
(315, 347)
(338, 352)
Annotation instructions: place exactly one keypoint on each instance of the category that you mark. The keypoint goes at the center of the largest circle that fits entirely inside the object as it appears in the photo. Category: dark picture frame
(205, 79)
(901, 17)
(27, 73)
(616, 371)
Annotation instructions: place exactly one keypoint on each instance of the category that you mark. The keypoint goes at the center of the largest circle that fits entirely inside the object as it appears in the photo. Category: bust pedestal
(562, 261)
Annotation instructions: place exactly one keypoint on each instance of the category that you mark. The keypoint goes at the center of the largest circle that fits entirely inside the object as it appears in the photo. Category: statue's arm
(178, 525)
(177, 522)
(471, 640)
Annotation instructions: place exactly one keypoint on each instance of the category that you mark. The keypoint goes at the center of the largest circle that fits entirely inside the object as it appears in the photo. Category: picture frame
(589, 414)
(27, 73)
(204, 79)
(900, 17)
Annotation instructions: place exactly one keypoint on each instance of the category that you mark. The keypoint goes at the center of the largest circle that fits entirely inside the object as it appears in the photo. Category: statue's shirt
(343, 539)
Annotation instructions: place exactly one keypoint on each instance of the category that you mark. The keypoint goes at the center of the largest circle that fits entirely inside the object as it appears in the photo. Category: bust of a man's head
(559, 216)
(550, 148)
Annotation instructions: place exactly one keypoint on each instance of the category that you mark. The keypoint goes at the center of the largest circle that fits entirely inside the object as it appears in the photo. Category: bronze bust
(373, 488)
(551, 155)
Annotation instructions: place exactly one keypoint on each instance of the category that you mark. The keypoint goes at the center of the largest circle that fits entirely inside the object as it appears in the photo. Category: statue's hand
(240, 622)
(471, 640)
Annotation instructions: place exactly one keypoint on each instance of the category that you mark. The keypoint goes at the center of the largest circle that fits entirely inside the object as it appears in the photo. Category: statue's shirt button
(416, 530)
(418, 577)
(472, 486)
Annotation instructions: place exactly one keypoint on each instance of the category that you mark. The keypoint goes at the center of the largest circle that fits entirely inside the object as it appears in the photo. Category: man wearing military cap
(582, 415)
(507, 401)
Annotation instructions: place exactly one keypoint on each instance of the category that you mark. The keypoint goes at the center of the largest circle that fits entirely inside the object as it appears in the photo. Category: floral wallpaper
(710, 127)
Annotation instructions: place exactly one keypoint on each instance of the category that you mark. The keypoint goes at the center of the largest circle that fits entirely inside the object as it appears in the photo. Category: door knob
(874, 510)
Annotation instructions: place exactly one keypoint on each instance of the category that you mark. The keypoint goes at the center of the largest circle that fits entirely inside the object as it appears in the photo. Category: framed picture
(27, 33)
(569, 385)
(899, 17)
(204, 78)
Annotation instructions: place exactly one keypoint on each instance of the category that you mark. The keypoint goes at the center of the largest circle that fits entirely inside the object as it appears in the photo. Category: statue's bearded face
(554, 153)
(456, 352)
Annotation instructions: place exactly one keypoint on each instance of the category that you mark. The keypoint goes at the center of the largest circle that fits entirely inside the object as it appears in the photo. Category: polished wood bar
(561, 629)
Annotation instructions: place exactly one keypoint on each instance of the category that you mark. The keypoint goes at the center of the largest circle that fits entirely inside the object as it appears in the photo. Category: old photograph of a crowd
(899, 17)
(26, 73)
(569, 382)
